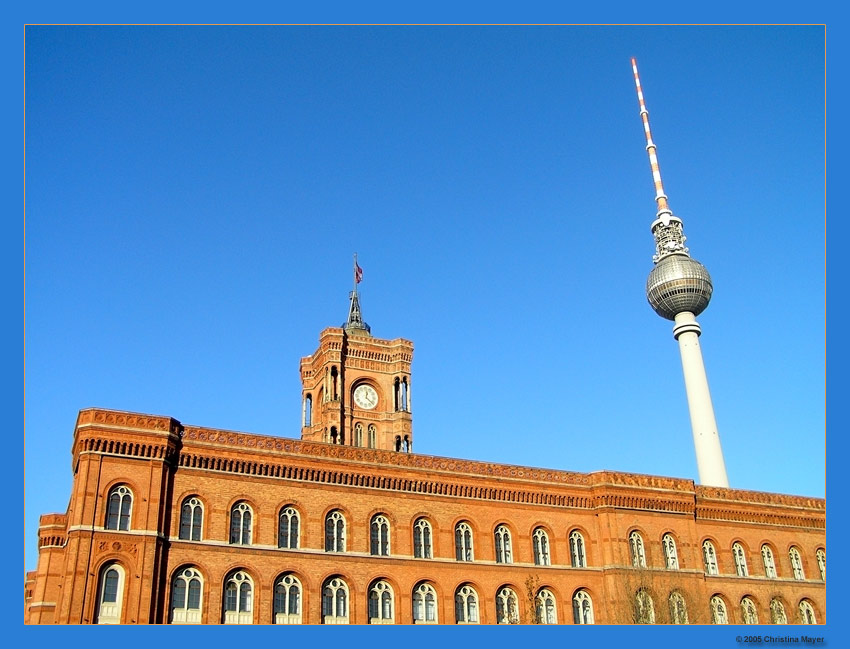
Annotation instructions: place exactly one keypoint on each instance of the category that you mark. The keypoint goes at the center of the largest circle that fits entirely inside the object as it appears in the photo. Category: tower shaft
(710, 464)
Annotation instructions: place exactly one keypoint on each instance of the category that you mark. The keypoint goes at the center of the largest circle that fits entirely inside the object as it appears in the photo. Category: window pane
(194, 594)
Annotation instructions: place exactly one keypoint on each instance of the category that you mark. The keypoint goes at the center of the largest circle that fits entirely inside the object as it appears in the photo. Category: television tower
(679, 289)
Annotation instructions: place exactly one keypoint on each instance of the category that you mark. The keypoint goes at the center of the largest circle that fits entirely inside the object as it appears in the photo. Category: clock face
(365, 397)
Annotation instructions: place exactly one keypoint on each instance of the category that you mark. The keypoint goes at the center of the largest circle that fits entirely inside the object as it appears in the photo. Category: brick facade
(163, 464)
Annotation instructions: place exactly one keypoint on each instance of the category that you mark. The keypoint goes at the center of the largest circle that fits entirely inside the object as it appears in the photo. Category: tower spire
(355, 325)
(667, 229)
(679, 288)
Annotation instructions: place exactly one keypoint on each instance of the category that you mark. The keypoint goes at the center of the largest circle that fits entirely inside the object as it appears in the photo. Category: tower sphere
(678, 283)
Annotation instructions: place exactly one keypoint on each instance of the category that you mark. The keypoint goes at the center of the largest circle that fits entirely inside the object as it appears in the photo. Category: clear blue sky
(194, 196)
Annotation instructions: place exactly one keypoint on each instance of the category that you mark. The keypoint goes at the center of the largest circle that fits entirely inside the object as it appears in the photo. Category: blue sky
(194, 196)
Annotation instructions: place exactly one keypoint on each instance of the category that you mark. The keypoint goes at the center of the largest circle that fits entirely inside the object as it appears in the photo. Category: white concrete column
(712, 468)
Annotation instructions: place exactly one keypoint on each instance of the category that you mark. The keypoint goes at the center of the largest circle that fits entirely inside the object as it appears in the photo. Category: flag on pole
(358, 273)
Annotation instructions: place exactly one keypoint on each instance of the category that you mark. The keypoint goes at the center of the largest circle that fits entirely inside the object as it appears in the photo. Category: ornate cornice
(288, 458)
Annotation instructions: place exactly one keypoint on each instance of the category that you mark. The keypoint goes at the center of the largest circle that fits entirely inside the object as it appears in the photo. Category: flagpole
(355, 272)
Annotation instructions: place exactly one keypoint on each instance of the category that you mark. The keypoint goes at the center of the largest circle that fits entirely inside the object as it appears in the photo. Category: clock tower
(355, 388)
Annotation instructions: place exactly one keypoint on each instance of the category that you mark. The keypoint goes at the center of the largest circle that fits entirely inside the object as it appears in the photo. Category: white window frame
(807, 612)
(244, 612)
(502, 538)
(464, 546)
(582, 607)
(507, 606)
(678, 608)
(769, 562)
(333, 614)
(540, 546)
(709, 558)
(671, 556)
(124, 520)
(466, 605)
(749, 612)
(578, 550)
(740, 558)
(338, 540)
(719, 613)
(242, 508)
(796, 563)
(421, 529)
(546, 607)
(637, 550)
(110, 612)
(379, 536)
(381, 592)
(424, 603)
(183, 614)
(288, 583)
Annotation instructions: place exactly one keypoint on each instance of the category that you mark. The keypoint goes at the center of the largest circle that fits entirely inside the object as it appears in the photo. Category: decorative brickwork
(164, 465)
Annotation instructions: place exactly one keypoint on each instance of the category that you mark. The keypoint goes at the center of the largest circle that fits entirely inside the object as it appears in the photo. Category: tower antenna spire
(679, 289)
(651, 149)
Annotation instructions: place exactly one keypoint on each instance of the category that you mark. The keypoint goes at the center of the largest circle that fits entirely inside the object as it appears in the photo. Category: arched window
(240, 524)
(334, 384)
(507, 608)
(769, 563)
(238, 598)
(749, 613)
(372, 435)
(307, 419)
(820, 555)
(463, 542)
(335, 601)
(110, 594)
(540, 540)
(740, 558)
(381, 603)
(335, 532)
(644, 612)
(545, 609)
(422, 539)
(777, 612)
(718, 611)
(358, 434)
(186, 593)
(119, 508)
(287, 528)
(796, 563)
(503, 545)
(424, 604)
(405, 399)
(466, 605)
(807, 612)
(678, 609)
(287, 600)
(380, 536)
(191, 519)
(582, 608)
(671, 557)
(578, 558)
(709, 558)
(636, 550)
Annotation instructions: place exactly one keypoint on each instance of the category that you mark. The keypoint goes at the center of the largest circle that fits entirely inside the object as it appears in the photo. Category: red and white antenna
(660, 196)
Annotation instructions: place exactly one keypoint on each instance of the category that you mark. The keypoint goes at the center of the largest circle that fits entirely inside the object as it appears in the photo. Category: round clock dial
(365, 397)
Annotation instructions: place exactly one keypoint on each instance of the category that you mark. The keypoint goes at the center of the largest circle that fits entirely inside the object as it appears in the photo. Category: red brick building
(174, 523)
